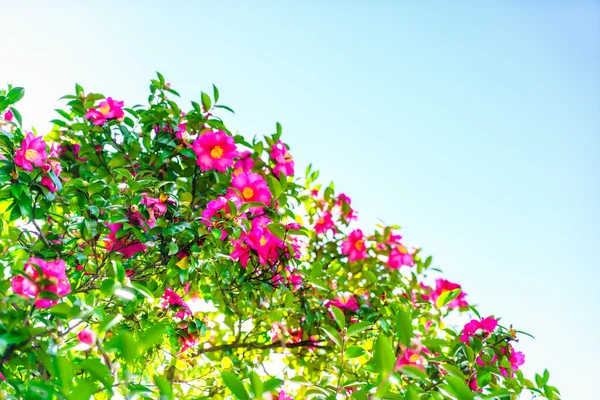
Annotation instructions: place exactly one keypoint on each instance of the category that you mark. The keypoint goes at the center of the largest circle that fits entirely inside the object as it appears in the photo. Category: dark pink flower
(173, 300)
(354, 246)
(283, 160)
(53, 279)
(486, 326)
(215, 150)
(344, 303)
(49, 183)
(87, 336)
(324, 223)
(443, 285)
(32, 152)
(107, 110)
(124, 245)
(245, 162)
(284, 396)
(8, 116)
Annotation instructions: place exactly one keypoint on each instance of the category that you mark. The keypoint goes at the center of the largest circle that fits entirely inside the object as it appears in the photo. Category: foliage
(149, 252)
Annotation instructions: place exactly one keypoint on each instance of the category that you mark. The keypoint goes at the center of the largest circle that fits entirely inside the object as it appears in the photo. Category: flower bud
(134, 208)
(122, 187)
(14, 174)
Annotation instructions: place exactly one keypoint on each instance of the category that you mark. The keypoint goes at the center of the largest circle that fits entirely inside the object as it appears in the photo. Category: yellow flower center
(263, 240)
(105, 109)
(216, 152)
(163, 197)
(248, 192)
(31, 154)
(359, 245)
(402, 249)
(414, 358)
(287, 157)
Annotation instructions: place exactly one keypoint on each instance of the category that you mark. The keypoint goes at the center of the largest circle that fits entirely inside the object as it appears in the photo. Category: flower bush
(149, 252)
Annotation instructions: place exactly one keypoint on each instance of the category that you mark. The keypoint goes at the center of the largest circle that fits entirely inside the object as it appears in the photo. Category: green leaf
(216, 94)
(277, 230)
(446, 297)
(460, 387)
(384, 355)
(414, 372)
(257, 384)
(338, 316)
(165, 387)
(354, 352)
(206, 103)
(234, 384)
(15, 94)
(333, 335)
(17, 115)
(404, 328)
(357, 328)
(453, 370)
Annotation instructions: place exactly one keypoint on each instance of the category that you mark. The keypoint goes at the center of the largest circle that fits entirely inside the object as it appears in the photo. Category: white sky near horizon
(474, 126)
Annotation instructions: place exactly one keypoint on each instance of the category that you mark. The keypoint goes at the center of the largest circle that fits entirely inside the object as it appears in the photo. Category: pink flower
(344, 303)
(245, 162)
(87, 336)
(486, 325)
(219, 205)
(295, 281)
(343, 201)
(8, 116)
(32, 152)
(283, 159)
(187, 342)
(49, 183)
(516, 359)
(252, 187)
(53, 279)
(106, 110)
(241, 252)
(324, 223)
(124, 245)
(284, 396)
(441, 286)
(354, 246)
(172, 299)
(399, 256)
(215, 150)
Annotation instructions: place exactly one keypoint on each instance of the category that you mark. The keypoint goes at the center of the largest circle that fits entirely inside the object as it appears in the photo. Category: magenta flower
(124, 245)
(87, 336)
(53, 279)
(284, 396)
(245, 162)
(354, 246)
(283, 160)
(215, 150)
(252, 186)
(8, 116)
(107, 110)
(399, 256)
(344, 303)
(173, 300)
(324, 223)
(219, 206)
(241, 252)
(32, 152)
(486, 325)
(441, 286)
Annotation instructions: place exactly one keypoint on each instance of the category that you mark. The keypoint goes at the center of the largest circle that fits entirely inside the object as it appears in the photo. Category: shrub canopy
(149, 252)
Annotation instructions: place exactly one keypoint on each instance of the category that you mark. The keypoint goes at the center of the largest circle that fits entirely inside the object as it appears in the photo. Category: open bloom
(441, 286)
(124, 245)
(400, 256)
(344, 303)
(261, 240)
(245, 162)
(53, 279)
(106, 110)
(252, 186)
(324, 223)
(32, 152)
(283, 160)
(354, 246)
(215, 150)
(486, 325)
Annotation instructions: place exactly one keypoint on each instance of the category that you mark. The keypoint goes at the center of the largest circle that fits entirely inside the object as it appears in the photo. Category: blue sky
(474, 126)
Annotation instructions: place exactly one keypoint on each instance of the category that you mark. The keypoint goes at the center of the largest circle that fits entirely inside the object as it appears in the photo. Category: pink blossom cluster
(42, 276)
(107, 110)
